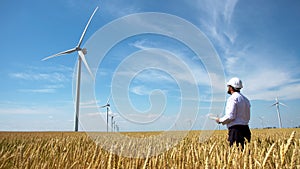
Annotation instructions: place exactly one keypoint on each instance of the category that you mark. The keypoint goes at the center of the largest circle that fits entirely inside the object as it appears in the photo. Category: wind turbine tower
(107, 106)
(112, 122)
(262, 121)
(81, 58)
(277, 103)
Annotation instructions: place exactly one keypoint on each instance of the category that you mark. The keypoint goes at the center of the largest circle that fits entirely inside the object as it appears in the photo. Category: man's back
(238, 106)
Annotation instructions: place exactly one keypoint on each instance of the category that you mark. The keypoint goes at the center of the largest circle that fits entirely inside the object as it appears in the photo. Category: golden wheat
(274, 148)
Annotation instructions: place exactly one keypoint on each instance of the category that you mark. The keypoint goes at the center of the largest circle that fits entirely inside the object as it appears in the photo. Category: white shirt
(237, 110)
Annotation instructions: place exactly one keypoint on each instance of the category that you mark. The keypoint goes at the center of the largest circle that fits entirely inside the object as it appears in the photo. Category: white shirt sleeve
(230, 112)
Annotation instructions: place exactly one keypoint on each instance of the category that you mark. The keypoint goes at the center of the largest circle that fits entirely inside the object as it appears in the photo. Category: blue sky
(254, 40)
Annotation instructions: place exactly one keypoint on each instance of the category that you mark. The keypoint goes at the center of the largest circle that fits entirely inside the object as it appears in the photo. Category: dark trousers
(238, 133)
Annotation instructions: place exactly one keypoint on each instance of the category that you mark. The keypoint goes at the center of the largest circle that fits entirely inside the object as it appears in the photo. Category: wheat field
(269, 148)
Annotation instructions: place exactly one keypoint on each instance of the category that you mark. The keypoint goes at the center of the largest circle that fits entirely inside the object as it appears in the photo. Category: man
(237, 114)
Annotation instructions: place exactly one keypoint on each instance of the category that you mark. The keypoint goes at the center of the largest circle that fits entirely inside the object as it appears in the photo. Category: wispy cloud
(254, 62)
(46, 89)
(51, 77)
(192, 62)
(119, 8)
(20, 109)
(59, 73)
(216, 23)
(153, 75)
(141, 44)
(143, 90)
(269, 84)
(217, 20)
(41, 79)
(139, 90)
(37, 90)
(229, 9)
(161, 61)
(56, 68)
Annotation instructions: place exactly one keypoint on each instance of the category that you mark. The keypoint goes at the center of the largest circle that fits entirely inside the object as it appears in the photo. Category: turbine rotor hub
(84, 51)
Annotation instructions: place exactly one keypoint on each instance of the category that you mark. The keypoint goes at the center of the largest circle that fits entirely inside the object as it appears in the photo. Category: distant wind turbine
(112, 115)
(277, 103)
(117, 127)
(114, 122)
(81, 58)
(262, 121)
(107, 106)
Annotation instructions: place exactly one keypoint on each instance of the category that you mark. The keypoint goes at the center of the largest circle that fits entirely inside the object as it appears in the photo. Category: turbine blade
(102, 106)
(81, 55)
(107, 102)
(87, 25)
(273, 104)
(283, 104)
(60, 53)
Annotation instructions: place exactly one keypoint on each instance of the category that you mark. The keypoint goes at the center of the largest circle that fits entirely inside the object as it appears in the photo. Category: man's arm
(230, 113)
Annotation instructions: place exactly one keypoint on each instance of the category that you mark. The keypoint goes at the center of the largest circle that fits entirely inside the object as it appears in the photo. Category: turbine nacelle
(107, 105)
(84, 51)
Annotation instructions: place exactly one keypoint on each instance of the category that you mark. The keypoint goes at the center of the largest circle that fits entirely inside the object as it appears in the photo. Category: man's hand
(218, 120)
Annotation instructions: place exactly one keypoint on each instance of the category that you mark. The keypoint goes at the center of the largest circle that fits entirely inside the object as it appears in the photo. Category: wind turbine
(113, 126)
(113, 120)
(277, 103)
(117, 127)
(81, 58)
(262, 121)
(107, 106)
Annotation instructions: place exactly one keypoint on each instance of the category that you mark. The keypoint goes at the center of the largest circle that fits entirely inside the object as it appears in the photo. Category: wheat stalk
(246, 158)
(286, 147)
(109, 165)
(250, 161)
(120, 158)
(147, 158)
(257, 162)
(268, 155)
(294, 157)
(206, 163)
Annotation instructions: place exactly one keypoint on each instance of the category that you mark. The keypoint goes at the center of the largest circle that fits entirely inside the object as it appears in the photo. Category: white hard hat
(235, 83)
